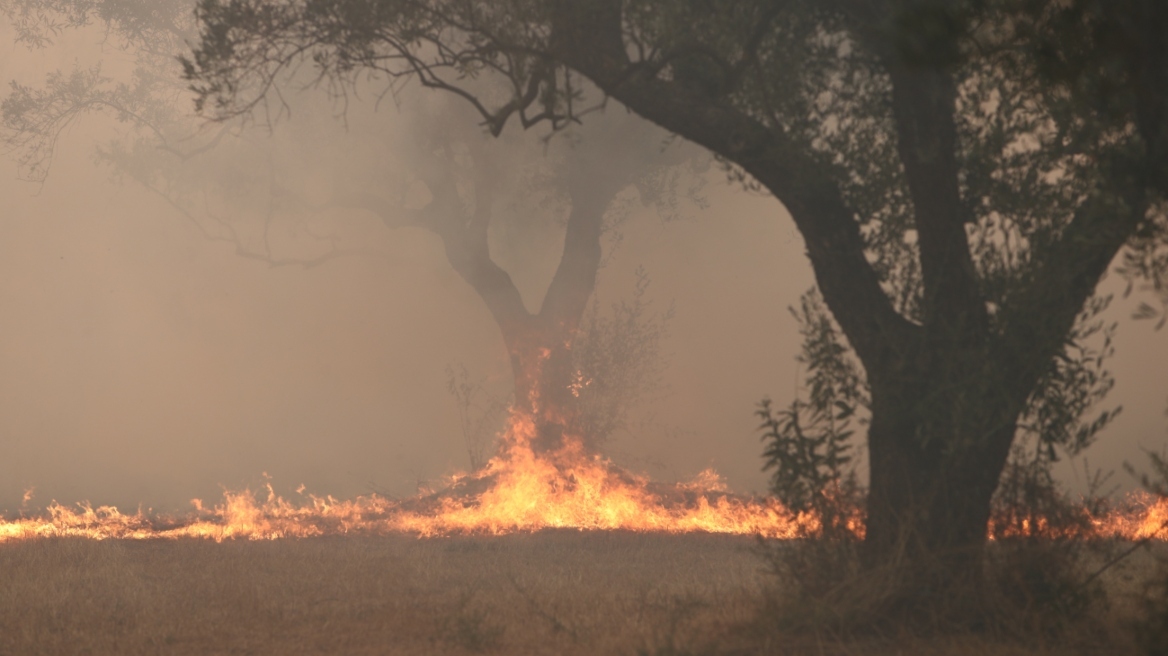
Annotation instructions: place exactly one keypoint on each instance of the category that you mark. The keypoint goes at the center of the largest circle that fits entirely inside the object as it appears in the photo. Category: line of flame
(522, 491)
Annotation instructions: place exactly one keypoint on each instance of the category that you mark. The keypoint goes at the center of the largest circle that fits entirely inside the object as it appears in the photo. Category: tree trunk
(539, 344)
(938, 443)
(927, 499)
(543, 371)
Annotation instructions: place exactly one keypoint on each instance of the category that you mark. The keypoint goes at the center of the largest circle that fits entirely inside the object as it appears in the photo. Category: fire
(518, 490)
(1141, 516)
(571, 489)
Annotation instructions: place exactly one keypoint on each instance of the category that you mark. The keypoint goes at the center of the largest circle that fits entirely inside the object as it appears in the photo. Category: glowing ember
(519, 490)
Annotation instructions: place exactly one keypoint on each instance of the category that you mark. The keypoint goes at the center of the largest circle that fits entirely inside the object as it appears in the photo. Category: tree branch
(587, 37)
(923, 102)
(1036, 320)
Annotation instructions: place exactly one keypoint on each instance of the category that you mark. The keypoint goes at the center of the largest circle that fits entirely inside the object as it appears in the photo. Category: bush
(1152, 629)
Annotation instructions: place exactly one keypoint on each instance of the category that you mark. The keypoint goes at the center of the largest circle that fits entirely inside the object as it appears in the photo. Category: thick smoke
(234, 318)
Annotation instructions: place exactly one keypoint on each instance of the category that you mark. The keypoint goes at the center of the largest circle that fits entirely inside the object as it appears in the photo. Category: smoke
(155, 347)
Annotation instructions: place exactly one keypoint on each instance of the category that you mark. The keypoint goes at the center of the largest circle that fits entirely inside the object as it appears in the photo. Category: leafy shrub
(1152, 628)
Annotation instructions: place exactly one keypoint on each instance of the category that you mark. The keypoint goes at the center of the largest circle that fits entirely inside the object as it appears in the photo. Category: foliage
(804, 69)
(959, 180)
(1145, 263)
(1157, 481)
(813, 72)
(1030, 155)
(619, 361)
(35, 117)
(157, 26)
(809, 444)
(1075, 384)
(145, 101)
(1152, 627)
(226, 185)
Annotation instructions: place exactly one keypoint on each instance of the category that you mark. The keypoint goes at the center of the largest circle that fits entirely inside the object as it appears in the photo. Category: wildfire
(519, 490)
(571, 489)
(1138, 517)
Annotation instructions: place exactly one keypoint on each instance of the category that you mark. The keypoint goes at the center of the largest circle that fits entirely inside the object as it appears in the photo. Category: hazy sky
(142, 363)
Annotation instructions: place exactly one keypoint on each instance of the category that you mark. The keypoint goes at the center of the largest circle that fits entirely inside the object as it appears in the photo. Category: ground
(554, 592)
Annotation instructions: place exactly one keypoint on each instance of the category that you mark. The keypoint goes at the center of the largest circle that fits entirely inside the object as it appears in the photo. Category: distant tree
(464, 176)
(960, 171)
(617, 364)
(229, 183)
(223, 181)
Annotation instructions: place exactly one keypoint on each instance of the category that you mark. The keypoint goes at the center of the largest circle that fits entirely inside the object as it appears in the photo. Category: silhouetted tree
(959, 179)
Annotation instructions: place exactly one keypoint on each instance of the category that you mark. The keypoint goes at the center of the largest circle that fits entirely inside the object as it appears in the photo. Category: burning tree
(231, 187)
(963, 174)
(465, 177)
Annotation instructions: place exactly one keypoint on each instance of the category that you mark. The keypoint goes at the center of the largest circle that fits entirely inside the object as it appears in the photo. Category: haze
(145, 364)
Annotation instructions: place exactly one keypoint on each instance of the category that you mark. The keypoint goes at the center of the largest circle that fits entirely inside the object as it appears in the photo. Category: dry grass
(547, 593)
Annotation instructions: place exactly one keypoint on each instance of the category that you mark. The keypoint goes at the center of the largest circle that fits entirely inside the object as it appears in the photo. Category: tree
(474, 186)
(464, 177)
(960, 179)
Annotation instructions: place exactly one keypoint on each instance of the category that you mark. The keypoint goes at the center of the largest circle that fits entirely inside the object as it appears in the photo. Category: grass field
(545, 593)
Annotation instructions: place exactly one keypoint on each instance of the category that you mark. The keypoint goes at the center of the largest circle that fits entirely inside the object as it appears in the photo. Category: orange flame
(1140, 516)
(570, 489)
(519, 490)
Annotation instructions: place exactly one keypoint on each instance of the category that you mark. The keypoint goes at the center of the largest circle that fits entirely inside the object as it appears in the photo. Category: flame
(1140, 516)
(519, 490)
(571, 489)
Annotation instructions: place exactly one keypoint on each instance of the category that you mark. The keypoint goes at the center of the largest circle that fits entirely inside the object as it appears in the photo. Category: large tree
(963, 173)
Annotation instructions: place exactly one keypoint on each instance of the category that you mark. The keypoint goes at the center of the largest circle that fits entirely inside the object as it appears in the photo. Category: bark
(935, 462)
